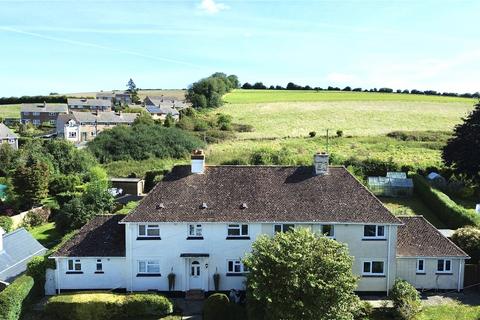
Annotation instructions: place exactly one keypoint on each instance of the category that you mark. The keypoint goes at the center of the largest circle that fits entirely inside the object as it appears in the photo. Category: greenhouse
(395, 184)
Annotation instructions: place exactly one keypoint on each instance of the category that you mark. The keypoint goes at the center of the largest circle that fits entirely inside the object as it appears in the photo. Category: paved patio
(191, 309)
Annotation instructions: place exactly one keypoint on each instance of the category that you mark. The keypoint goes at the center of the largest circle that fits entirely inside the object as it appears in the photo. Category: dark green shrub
(339, 133)
(312, 134)
(200, 125)
(450, 213)
(468, 239)
(13, 298)
(216, 307)
(364, 311)
(406, 300)
(151, 179)
(36, 269)
(139, 305)
(34, 219)
(242, 127)
(106, 305)
(6, 223)
(425, 136)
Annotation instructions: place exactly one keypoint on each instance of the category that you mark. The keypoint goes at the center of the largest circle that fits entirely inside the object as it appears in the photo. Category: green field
(10, 111)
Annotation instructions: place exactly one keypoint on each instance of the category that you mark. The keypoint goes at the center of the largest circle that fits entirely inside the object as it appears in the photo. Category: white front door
(195, 272)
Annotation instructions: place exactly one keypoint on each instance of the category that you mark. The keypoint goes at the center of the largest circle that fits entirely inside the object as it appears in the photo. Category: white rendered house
(201, 220)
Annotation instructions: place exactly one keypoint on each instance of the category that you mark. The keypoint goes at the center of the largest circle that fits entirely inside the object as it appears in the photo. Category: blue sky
(87, 45)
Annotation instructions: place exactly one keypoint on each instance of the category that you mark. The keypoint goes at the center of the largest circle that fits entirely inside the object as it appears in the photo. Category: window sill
(374, 239)
(99, 272)
(146, 275)
(149, 238)
(444, 273)
(234, 274)
(194, 238)
(373, 276)
(74, 272)
(421, 273)
(238, 238)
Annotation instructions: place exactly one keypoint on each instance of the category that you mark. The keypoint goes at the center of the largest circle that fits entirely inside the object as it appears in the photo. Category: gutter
(388, 257)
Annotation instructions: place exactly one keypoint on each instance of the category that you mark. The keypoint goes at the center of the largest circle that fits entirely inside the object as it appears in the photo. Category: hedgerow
(13, 297)
(448, 211)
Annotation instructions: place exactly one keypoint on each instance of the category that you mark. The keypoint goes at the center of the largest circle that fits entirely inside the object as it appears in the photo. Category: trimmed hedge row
(13, 297)
(218, 307)
(447, 210)
(106, 305)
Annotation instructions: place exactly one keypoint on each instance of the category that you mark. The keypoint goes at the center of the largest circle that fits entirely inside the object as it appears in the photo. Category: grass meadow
(10, 111)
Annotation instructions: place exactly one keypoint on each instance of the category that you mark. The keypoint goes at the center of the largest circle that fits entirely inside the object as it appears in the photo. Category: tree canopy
(462, 151)
(300, 275)
(208, 92)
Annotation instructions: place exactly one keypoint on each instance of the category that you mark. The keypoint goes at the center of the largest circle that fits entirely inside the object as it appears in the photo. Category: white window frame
(239, 227)
(52, 114)
(236, 263)
(371, 273)
(444, 266)
(99, 263)
(72, 134)
(377, 229)
(417, 267)
(284, 227)
(332, 226)
(36, 122)
(197, 229)
(36, 114)
(148, 265)
(147, 228)
(72, 265)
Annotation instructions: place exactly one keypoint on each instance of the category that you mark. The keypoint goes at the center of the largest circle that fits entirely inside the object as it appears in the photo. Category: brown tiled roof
(101, 237)
(270, 193)
(419, 238)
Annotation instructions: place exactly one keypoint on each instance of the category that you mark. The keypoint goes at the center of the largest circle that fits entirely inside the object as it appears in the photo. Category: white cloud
(212, 7)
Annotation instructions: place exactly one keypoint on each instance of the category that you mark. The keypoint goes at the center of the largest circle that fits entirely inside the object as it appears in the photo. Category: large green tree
(208, 92)
(300, 275)
(463, 150)
(133, 90)
(31, 183)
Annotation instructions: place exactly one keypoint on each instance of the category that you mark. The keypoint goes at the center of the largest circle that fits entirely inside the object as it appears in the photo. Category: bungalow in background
(8, 136)
(80, 127)
(163, 101)
(160, 113)
(39, 113)
(17, 248)
(89, 104)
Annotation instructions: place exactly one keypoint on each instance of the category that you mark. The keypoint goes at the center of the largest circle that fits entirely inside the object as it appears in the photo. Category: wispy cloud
(212, 7)
(102, 47)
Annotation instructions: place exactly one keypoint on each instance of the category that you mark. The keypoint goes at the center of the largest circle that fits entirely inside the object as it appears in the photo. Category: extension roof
(260, 194)
(419, 238)
(101, 237)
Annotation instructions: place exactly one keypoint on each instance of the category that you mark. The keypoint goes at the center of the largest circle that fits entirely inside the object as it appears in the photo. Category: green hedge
(448, 211)
(13, 298)
(105, 305)
(218, 307)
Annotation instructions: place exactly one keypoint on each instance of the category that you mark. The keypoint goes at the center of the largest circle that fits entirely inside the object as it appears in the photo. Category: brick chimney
(198, 161)
(320, 163)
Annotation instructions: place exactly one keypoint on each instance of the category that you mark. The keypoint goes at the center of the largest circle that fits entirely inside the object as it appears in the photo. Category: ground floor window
(99, 266)
(236, 267)
(444, 266)
(148, 266)
(420, 266)
(283, 227)
(72, 134)
(74, 265)
(373, 268)
(328, 230)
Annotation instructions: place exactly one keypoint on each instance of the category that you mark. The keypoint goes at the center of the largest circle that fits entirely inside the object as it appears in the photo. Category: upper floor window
(236, 267)
(374, 231)
(26, 113)
(74, 265)
(149, 231)
(328, 230)
(420, 266)
(237, 231)
(373, 268)
(444, 266)
(195, 230)
(52, 114)
(36, 113)
(283, 227)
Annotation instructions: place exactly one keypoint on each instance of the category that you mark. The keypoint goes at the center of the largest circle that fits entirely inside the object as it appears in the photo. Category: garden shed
(395, 184)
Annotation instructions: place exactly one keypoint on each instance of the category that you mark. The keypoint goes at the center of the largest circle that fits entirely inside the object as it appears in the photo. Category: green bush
(406, 300)
(106, 305)
(425, 136)
(450, 213)
(6, 223)
(468, 239)
(34, 219)
(216, 307)
(13, 298)
(36, 269)
(140, 305)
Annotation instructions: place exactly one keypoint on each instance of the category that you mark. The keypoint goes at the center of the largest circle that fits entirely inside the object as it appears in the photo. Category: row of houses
(200, 221)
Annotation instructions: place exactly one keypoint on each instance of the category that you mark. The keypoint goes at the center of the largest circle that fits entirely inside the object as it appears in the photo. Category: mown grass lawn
(10, 111)
(451, 311)
(46, 234)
